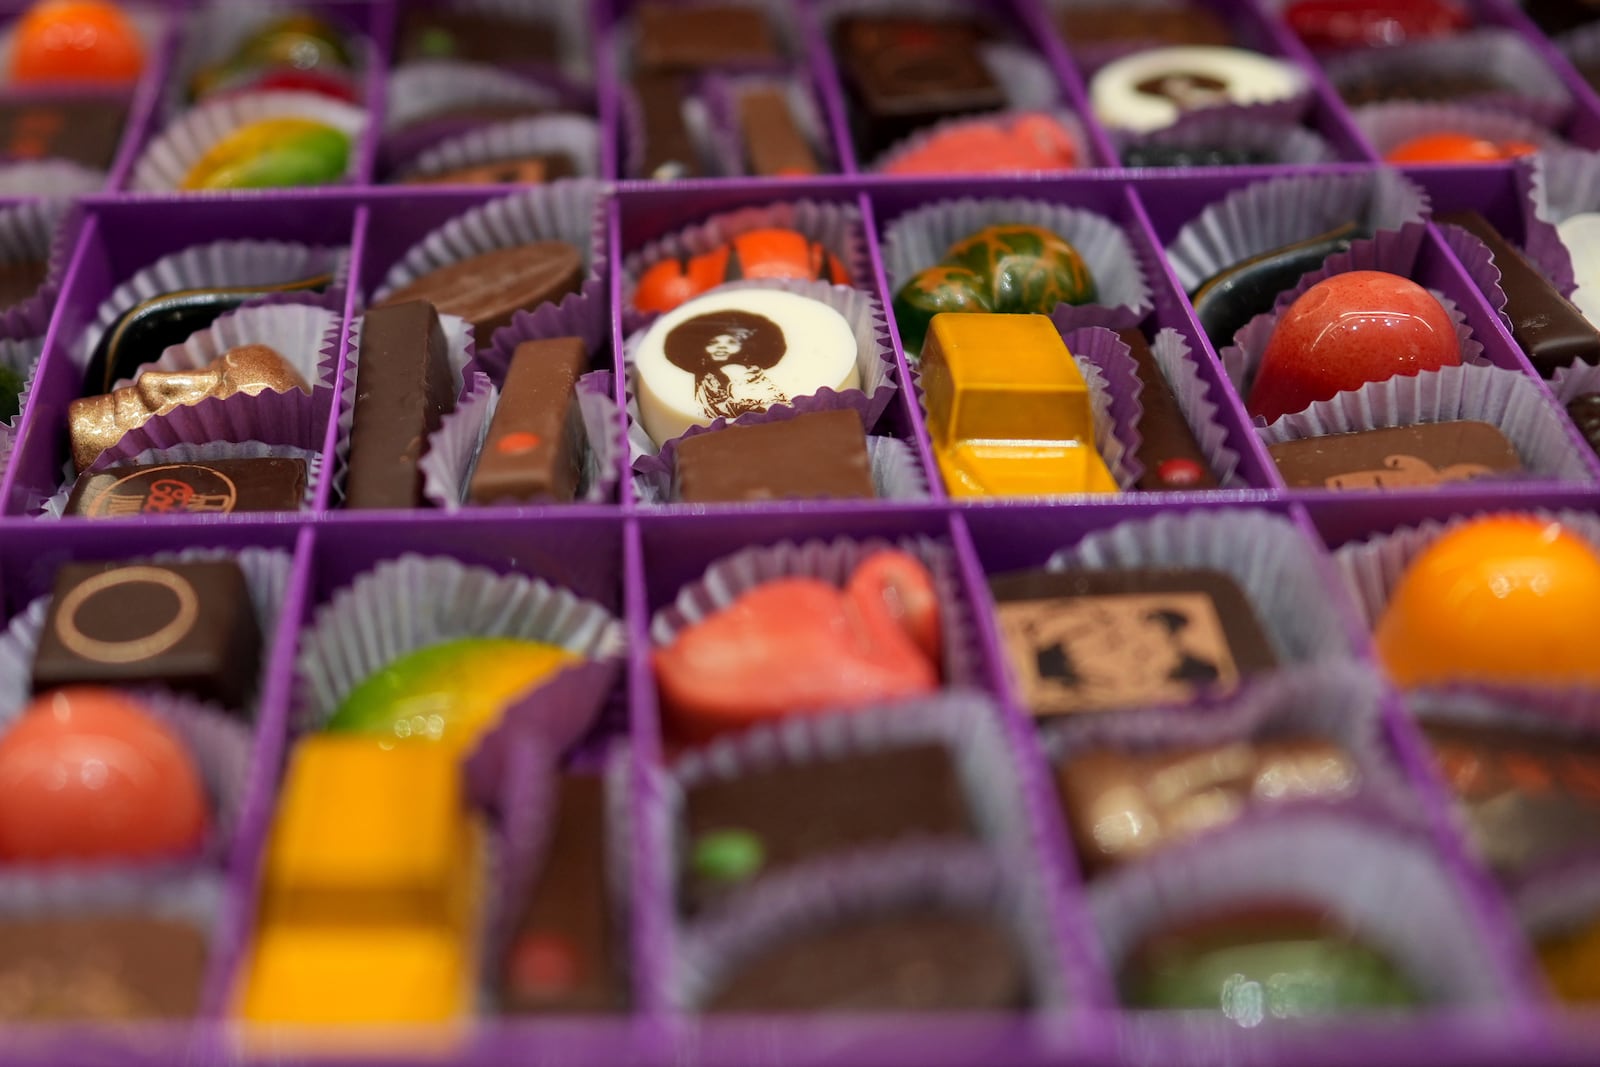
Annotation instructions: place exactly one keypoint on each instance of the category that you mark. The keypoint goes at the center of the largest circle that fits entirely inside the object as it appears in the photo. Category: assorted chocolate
(1169, 451)
(404, 388)
(1400, 457)
(488, 288)
(111, 968)
(1229, 299)
(746, 464)
(217, 486)
(535, 446)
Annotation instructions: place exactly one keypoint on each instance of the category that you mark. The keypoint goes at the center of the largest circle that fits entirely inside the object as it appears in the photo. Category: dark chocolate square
(818, 455)
(218, 486)
(188, 626)
(776, 818)
(1398, 457)
(475, 37)
(685, 38)
(99, 968)
(1100, 640)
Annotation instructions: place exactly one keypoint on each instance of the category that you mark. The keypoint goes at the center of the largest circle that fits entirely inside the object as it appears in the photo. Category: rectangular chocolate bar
(534, 448)
(1549, 328)
(108, 968)
(744, 828)
(668, 150)
(774, 143)
(527, 170)
(1398, 457)
(1171, 456)
(215, 486)
(475, 37)
(190, 627)
(84, 130)
(822, 454)
(1099, 640)
(404, 388)
(563, 958)
(685, 38)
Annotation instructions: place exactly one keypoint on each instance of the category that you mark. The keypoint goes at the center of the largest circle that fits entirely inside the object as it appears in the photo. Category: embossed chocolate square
(1396, 457)
(1081, 641)
(187, 626)
(217, 487)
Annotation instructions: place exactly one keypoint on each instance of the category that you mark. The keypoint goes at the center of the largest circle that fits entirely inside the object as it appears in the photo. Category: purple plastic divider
(619, 371)
(1037, 16)
(825, 76)
(352, 301)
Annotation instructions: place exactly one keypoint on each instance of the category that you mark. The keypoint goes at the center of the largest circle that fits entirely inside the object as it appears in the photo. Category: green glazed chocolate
(11, 383)
(1258, 965)
(1006, 269)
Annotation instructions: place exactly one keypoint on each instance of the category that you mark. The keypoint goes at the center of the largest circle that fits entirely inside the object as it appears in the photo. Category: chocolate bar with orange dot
(534, 450)
(84, 130)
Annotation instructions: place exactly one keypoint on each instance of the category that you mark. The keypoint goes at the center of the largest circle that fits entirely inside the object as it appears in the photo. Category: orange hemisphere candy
(1457, 148)
(1503, 599)
(770, 253)
(76, 41)
(87, 774)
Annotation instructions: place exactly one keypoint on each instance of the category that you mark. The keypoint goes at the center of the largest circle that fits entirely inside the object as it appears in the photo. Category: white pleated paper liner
(1200, 411)
(1242, 359)
(1508, 400)
(722, 93)
(56, 506)
(452, 452)
(874, 363)
(1385, 890)
(1571, 382)
(175, 150)
(1270, 214)
(1269, 558)
(1557, 185)
(1389, 125)
(307, 337)
(413, 602)
(920, 239)
(894, 159)
(834, 226)
(49, 178)
(568, 210)
(960, 880)
(21, 355)
(426, 88)
(460, 347)
(1525, 84)
(266, 574)
(833, 562)
(896, 471)
(1373, 567)
(1335, 702)
(34, 233)
(1236, 128)
(223, 265)
(576, 137)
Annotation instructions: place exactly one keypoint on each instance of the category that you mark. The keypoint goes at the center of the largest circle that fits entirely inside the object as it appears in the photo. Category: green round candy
(1030, 270)
(11, 383)
(931, 292)
(728, 855)
(314, 155)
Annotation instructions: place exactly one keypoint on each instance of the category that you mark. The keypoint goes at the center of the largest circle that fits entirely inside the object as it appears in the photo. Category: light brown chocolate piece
(534, 449)
(103, 968)
(1401, 457)
(818, 455)
(684, 38)
(774, 144)
(488, 289)
(1081, 26)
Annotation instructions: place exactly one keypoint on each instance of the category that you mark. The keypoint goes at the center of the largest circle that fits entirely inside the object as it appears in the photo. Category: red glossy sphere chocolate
(1372, 23)
(1457, 148)
(1346, 331)
(87, 774)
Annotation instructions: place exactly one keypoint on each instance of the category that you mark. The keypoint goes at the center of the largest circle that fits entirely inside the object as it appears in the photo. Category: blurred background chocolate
(84, 130)
(742, 464)
(475, 36)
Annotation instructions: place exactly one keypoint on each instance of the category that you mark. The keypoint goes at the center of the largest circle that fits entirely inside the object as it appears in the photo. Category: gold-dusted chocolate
(95, 423)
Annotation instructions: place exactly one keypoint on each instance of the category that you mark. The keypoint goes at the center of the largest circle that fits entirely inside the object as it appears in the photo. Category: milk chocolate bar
(818, 455)
(534, 449)
(489, 288)
(84, 130)
(19, 281)
(404, 388)
(684, 38)
(669, 150)
(112, 967)
(217, 486)
(1398, 457)
(1185, 25)
(475, 37)
(774, 144)
(1171, 456)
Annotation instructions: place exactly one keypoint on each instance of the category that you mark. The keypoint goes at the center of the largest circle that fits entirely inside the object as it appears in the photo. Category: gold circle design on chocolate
(227, 497)
(154, 644)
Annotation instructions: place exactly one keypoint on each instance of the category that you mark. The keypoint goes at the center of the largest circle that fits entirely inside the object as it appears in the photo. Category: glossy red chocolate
(1348, 330)
(1457, 148)
(1372, 23)
(1029, 142)
(87, 774)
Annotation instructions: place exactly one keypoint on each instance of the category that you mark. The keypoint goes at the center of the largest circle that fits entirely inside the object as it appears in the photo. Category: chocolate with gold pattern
(1397, 457)
(210, 487)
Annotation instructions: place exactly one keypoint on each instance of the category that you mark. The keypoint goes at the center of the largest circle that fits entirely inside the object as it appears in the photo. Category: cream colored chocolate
(1151, 89)
(730, 353)
(95, 423)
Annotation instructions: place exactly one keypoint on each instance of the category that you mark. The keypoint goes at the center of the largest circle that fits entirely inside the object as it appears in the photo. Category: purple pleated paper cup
(452, 452)
(1242, 359)
(900, 159)
(175, 151)
(1341, 703)
(834, 226)
(1270, 214)
(209, 452)
(49, 178)
(33, 233)
(1389, 125)
(577, 137)
(21, 355)
(722, 94)
(833, 562)
(1508, 400)
(1372, 568)
(874, 364)
(896, 471)
(1557, 185)
(959, 880)
(919, 239)
(1378, 882)
(459, 349)
(222, 265)
(266, 575)
(569, 210)
(1200, 410)
(1237, 128)
(413, 602)
(965, 725)
(1524, 83)
(1571, 382)
(1271, 560)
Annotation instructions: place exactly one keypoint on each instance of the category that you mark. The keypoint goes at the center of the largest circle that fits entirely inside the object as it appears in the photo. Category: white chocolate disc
(730, 353)
(1149, 90)
(1581, 235)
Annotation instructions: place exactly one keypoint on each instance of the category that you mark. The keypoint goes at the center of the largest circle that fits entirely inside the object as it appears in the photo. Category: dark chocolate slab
(1084, 25)
(404, 388)
(217, 486)
(475, 37)
(818, 455)
(19, 281)
(84, 130)
(1399, 457)
(489, 288)
(684, 38)
(534, 448)
(668, 149)
(1420, 84)
(99, 968)
(1171, 456)
(1584, 411)
(1099, 640)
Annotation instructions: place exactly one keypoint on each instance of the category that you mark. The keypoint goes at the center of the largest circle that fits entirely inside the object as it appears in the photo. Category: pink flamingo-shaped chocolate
(800, 646)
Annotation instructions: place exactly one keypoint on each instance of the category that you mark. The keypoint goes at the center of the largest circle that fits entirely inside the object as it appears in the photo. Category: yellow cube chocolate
(307, 974)
(370, 835)
(1008, 409)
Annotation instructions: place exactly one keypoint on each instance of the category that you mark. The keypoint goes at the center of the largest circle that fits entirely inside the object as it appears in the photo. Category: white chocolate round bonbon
(1149, 90)
(1581, 235)
(735, 351)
